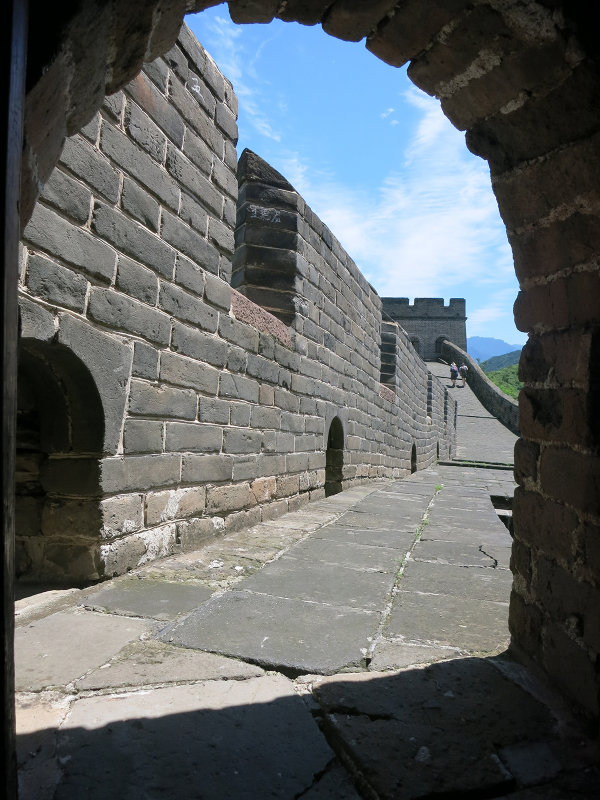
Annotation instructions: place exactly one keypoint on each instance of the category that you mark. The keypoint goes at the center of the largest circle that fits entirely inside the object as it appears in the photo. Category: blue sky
(375, 158)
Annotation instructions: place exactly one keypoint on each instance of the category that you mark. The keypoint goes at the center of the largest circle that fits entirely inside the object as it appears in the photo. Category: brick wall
(428, 321)
(204, 411)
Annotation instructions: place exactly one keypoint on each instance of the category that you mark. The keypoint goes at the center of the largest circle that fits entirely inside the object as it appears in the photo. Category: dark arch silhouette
(334, 458)
(413, 458)
(60, 433)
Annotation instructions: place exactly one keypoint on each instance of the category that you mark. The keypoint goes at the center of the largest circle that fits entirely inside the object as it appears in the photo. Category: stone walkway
(353, 649)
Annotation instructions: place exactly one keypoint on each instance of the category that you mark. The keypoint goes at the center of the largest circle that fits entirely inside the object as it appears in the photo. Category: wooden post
(14, 53)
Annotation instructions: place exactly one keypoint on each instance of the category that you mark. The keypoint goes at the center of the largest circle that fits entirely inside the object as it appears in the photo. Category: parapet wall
(158, 406)
(500, 405)
(428, 322)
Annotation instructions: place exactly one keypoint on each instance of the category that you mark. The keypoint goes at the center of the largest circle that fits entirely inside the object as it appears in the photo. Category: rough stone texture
(523, 120)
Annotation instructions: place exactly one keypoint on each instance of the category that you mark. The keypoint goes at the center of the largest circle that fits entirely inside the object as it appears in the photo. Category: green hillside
(499, 362)
(507, 379)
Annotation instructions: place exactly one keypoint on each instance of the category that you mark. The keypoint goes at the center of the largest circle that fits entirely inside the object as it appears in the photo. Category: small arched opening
(438, 345)
(413, 459)
(416, 343)
(334, 458)
(60, 433)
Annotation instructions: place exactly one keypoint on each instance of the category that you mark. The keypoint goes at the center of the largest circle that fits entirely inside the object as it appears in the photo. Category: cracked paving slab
(440, 729)
(476, 583)
(220, 739)
(292, 635)
(138, 597)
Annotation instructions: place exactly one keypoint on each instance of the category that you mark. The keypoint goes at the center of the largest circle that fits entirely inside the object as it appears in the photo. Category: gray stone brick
(190, 275)
(112, 105)
(121, 514)
(193, 102)
(141, 166)
(149, 400)
(217, 292)
(147, 96)
(198, 152)
(35, 321)
(67, 195)
(109, 362)
(263, 369)
(139, 204)
(237, 359)
(238, 387)
(245, 469)
(176, 60)
(196, 344)
(139, 473)
(211, 409)
(221, 235)
(158, 72)
(222, 499)
(271, 464)
(145, 361)
(193, 437)
(75, 246)
(265, 417)
(134, 240)
(143, 436)
(238, 333)
(187, 307)
(206, 469)
(188, 242)
(194, 215)
(239, 414)
(188, 372)
(121, 312)
(55, 284)
(190, 177)
(144, 132)
(137, 281)
(175, 504)
(92, 129)
(92, 167)
(241, 440)
(225, 178)
(226, 120)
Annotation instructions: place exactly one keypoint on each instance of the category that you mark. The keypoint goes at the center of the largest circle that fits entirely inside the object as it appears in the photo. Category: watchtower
(428, 322)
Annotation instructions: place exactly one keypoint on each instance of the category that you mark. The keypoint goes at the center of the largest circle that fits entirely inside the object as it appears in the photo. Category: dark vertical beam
(14, 51)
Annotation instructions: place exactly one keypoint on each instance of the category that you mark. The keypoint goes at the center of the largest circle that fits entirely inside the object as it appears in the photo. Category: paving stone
(348, 554)
(44, 656)
(319, 582)
(137, 597)
(477, 583)
(181, 744)
(432, 730)
(400, 540)
(275, 632)
(152, 663)
(396, 653)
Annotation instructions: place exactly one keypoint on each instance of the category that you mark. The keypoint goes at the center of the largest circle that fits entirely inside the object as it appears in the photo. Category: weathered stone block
(174, 504)
(92, 167)
(122, 514)
(213, 410)
(240, 440)
(188, 372)
(190, 275)
(56, 284)
(195, 344)
(144, 132)
(145, 361)
(190, 437)
(139, 473)
(143, 436)
(206, 469)
(67, 195)
(222, 499)
(139, 204)
(137, 281)
(147, 96)
(121, 312)
(187, 307)
(238, 387)
(75, 246)
(133, 240)
(150, 400)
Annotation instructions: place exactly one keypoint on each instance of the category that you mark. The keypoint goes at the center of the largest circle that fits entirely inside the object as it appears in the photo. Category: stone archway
(334, 458)
(60, 436)
(523, 80)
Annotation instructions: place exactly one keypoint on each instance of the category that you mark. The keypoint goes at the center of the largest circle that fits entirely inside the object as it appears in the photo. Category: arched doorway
(413, 459)
(334, 458)
(60, 433)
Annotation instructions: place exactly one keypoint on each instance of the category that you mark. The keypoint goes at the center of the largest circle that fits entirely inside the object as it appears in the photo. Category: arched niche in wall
(334, 458)
(413, 458)
(416, 343)
(438, 344)
(60, 436)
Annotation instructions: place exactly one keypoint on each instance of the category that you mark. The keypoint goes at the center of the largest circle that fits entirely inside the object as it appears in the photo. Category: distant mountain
(500, 362)
(484, 347)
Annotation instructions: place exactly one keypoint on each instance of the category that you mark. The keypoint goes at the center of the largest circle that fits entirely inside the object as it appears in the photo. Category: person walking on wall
(453, 373)
(463, 369)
